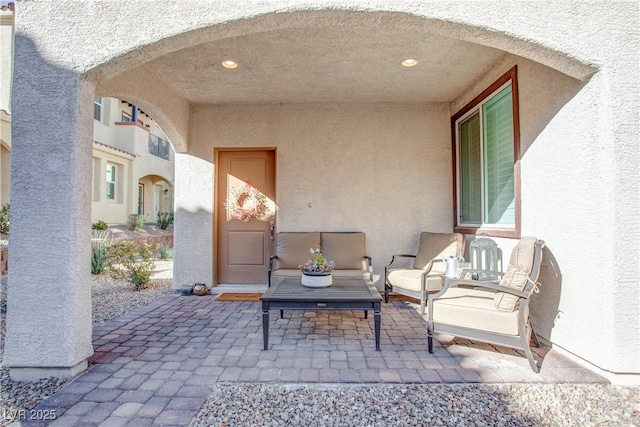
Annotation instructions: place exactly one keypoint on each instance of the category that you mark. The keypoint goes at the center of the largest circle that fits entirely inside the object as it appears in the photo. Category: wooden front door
(245, 215)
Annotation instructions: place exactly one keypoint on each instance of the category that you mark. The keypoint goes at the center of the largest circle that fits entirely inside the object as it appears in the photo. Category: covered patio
(158, 364)
(360, 143)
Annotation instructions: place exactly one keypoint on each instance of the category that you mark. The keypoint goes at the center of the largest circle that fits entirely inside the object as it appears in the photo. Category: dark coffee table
(343, 294)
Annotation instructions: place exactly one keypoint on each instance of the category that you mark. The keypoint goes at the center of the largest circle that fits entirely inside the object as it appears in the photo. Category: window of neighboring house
(111, 181)
(126, 117)
(487, 151)
(97, 109)
(158, 147)
(140, 199)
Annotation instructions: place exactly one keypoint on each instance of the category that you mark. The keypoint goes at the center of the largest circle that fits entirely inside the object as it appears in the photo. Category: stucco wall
(384, 169)
(570, 185)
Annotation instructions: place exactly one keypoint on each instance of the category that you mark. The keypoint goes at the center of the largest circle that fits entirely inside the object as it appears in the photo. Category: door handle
(272, 226)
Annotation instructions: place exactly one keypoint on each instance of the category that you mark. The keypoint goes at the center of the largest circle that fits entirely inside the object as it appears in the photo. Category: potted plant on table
(316, 272)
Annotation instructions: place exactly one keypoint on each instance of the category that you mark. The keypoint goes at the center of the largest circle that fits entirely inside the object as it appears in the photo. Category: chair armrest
(390, 266)
(369, 267)
(453, 283)
(271, 258)
(398, 256)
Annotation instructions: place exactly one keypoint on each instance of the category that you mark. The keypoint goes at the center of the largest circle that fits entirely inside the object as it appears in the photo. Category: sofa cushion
(357, 274)
(438, 246)
(346, 250)
(292, 248)
(517, 274)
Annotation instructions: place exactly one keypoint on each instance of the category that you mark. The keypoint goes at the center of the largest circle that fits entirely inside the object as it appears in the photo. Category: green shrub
(100, 226)
(100, 243)
(164, 219)
(131, 263)
(4, 219)
(99, 258)
(136, 221)
(165, 251)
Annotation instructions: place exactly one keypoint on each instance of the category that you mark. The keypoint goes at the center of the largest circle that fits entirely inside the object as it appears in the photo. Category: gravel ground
(110, 299)
(245, 404)
(421, 405)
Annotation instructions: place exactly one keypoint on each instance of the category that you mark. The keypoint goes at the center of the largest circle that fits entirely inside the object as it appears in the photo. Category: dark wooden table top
(342, 289)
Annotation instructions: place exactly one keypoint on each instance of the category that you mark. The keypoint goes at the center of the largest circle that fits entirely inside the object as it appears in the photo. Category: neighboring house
(319, 114)
(132, 164)
(133, 161)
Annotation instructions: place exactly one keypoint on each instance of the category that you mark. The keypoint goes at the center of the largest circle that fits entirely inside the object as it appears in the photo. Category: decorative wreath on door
(247, 203)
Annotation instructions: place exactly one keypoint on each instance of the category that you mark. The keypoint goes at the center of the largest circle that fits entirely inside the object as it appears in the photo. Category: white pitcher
(451, 267)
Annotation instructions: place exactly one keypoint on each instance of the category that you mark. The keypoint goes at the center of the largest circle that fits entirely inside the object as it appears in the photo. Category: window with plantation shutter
(486, 149)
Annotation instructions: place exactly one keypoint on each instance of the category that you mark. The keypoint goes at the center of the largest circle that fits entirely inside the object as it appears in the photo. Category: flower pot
(186, 289)
(200, 289)
(316, 280)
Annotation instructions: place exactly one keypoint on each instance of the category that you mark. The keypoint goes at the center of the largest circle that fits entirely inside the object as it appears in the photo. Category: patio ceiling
(327, 64)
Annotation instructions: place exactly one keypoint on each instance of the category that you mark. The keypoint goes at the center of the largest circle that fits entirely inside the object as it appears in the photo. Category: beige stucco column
(192, 231)
(49, 294)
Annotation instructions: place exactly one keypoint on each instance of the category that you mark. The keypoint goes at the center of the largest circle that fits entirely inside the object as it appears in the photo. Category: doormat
(230, 296)
(403, 298)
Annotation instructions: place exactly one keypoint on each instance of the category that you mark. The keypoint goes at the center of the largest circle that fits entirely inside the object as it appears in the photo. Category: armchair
(416, 275)
(489, 311)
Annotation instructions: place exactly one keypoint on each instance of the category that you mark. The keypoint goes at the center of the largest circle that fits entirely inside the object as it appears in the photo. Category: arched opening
(327, 82)
(342, 69)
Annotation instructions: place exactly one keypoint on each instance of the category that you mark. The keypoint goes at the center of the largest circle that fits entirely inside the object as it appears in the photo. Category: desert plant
(100, 242)
(99, 258)
(136, 221)
(4, 219)
(100, 226)
(164, 219)
(131, 263)
(165, 251)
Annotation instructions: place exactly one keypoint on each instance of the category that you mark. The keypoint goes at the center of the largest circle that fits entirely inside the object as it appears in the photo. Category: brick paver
(155, 366)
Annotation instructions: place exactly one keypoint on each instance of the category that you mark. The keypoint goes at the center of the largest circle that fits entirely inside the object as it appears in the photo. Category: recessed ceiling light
(409, 62)
(229, 64)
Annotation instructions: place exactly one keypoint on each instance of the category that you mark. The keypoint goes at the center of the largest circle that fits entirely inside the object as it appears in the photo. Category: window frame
(97, 107)
(114, 182)
(494, 230)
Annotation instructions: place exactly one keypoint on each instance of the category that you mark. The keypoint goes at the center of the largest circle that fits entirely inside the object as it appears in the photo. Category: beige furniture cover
(416, 275)
(348, 250)
(491, 312)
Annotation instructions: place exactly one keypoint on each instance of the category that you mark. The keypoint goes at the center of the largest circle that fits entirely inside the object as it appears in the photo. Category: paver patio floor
(155, 365)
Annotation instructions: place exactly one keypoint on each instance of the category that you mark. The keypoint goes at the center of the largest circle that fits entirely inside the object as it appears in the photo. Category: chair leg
(535, 338)
(524, 340)
(532, 361)
(386, 293)
(430, 341)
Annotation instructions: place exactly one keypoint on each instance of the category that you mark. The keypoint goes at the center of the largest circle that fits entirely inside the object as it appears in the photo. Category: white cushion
(474, 309)
(517, 274)
(410, 279)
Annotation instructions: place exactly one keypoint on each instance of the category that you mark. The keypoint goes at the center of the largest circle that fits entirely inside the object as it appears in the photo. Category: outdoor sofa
(348, 250)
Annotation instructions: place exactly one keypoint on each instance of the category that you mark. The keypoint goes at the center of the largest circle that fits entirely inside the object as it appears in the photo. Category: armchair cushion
(517, 274)
(346, 250)
(438, 246)
(293, 248)
(474, 309)
(410, 279)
